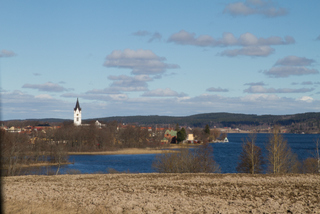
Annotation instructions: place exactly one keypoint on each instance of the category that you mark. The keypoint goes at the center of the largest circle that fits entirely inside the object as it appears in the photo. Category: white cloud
(249, 51)
(306, 99)
(307, 83)
(141, 33)
(44, 96)
(291, 66)
(144, 33)
(7, 53)
(127, 83)
(255, 83)
(49, 86)
(19, 105)
(286, 71)
(228, 39)
(295, 61)
(261, 89)
(163, 93)
(251, 45)
(213, 89)
(124, 83)
(98, 96)
(185, 38)
(139, 61)
(119, 97)
(251, 7)
(155, 36)
(260, 97)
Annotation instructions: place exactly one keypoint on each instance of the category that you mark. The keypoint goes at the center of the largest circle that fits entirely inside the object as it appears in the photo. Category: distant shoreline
(130, 151)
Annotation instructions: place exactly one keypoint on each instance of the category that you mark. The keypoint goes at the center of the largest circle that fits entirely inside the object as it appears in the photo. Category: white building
(77, 114)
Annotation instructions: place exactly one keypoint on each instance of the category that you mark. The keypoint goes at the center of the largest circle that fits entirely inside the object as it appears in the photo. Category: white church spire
(77, 114)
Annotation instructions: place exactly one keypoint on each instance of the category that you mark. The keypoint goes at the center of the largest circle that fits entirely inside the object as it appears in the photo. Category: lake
(225, 154)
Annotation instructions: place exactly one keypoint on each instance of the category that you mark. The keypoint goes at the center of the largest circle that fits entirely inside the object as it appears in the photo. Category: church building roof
(77, 106)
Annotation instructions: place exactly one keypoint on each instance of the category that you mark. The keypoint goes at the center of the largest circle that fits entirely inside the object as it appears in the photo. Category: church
(77, 121)
(77, 114)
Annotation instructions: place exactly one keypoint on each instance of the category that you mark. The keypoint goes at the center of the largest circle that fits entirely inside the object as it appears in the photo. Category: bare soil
(162, 193)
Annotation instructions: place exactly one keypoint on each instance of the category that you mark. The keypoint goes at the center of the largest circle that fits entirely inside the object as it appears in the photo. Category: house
(171, 136)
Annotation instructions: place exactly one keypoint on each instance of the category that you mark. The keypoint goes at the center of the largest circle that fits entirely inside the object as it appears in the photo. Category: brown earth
(162, 193)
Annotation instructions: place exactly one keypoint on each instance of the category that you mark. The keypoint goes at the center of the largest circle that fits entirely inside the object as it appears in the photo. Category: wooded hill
(220, 119)
(296, 121)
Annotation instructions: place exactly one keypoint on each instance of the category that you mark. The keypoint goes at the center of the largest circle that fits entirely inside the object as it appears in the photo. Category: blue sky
(175, 58)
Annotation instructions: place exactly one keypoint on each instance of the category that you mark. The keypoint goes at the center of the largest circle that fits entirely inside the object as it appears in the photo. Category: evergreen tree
(177, 128)
(207, 130)
(181, 135)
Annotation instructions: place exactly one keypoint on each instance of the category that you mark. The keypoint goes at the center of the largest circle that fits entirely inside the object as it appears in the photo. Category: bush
(187, 161)
(310, 165)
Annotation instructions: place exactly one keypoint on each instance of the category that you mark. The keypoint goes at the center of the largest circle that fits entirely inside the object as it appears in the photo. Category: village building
(170, 136)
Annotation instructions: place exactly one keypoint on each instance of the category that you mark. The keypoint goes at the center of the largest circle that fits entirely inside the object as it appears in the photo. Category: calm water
(225, 154)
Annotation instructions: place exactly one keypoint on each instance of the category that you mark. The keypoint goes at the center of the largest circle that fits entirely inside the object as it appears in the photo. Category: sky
(161, 57)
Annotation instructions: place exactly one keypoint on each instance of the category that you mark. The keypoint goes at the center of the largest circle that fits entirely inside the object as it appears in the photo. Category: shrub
(187, 161)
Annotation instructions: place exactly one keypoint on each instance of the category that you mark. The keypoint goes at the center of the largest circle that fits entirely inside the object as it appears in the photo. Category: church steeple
(77, 106)
(77, 114)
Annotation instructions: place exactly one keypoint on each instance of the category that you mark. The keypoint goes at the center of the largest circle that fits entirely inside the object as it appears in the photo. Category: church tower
(77, 114)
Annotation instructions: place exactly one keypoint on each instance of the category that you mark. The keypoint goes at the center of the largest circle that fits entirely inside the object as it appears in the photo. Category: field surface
(162, 193)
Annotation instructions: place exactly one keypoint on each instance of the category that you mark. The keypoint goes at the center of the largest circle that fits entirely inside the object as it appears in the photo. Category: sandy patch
(162, 193)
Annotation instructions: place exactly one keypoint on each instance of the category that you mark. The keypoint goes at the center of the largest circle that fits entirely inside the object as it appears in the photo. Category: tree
(251, 158)
(187, 161)
(216, 134)
(207, 130)
(177, 128)
(14, 148)
(181, 135)
(318, 155)
(312, 164)
(280, 157)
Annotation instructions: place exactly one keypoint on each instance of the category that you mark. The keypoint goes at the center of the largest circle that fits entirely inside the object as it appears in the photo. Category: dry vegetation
(162, 193)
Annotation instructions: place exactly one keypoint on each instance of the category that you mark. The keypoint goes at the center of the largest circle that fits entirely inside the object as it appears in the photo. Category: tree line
(279, 160)
(53, 145)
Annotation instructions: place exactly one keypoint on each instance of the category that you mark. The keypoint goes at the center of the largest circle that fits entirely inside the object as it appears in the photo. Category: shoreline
(129, 151)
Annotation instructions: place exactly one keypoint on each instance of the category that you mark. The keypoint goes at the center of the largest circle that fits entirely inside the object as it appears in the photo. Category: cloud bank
(251, 45)
(7, 53)
(255, 7)
(139, 61)
(49, 87)
(291, 66)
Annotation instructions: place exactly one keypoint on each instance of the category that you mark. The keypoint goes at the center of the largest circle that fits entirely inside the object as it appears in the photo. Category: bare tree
(280, 157)
(14, 148)
(312, 164)
(187, 161)
(250, 159)
(216, 134)
(318, 155)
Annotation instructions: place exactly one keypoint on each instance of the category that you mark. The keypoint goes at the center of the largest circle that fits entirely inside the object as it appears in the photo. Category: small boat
(226, 140)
